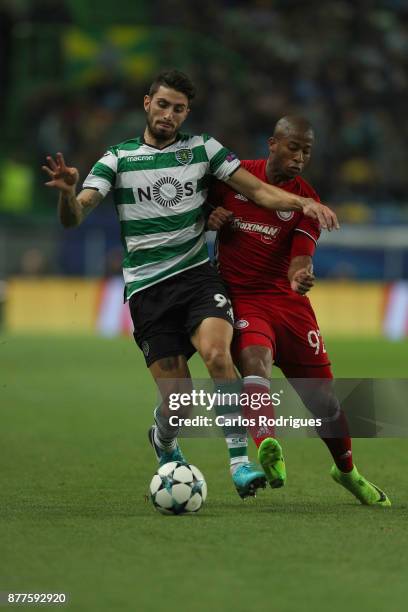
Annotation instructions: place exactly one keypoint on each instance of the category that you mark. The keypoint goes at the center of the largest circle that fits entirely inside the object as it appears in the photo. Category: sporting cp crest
(184, 156)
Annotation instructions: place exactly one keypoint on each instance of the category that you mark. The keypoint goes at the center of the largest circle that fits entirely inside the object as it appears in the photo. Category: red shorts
(286, 324)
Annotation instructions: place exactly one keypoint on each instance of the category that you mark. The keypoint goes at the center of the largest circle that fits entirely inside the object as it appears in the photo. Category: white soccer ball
(178, 488)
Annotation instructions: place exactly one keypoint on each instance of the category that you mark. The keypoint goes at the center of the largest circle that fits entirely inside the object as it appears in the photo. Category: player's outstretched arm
(300, 274)
(72, 209)
(274, 198)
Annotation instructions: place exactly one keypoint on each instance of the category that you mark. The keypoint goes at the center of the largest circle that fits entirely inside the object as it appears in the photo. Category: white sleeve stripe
(212, 147)
(98, 183)
(109, 160)
(307, 234)
(227, 169)
(234, 169)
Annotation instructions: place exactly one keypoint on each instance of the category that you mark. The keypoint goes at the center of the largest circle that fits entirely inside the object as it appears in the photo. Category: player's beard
(157, 133)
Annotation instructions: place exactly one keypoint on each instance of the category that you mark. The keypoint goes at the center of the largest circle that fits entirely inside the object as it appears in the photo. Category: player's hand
(302, 280)
(62, 177)
(219, 217)
(324, 215)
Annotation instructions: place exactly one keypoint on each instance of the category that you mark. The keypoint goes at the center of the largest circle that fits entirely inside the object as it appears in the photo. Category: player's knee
(323, 403)
(217, 359)
(256, 361)
(256, 367)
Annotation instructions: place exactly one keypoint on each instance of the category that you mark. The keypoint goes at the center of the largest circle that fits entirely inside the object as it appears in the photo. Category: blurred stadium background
(72, 76)
(75, 462)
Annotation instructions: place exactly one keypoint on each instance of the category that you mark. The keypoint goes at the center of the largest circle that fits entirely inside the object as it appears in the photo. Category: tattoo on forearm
(73, 209)
(69, 209)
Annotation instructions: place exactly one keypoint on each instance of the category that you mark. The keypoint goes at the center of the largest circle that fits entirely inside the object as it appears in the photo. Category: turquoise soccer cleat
(271, 458)
(162, 456)
(366, 492)
(248, 478)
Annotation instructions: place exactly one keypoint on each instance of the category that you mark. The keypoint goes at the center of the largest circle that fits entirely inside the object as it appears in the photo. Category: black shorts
(166, 315)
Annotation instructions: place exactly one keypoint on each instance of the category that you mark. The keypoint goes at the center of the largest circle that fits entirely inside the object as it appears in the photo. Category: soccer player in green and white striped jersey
(178, 303)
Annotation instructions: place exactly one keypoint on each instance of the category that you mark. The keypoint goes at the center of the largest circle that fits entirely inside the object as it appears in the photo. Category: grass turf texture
(75, 466)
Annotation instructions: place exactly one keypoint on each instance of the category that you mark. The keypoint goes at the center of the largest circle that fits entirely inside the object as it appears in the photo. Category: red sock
(256, 388)
(337, 438)
(340, 448)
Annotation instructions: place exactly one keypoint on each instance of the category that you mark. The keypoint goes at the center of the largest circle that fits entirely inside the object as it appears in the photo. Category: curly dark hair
(174, 79)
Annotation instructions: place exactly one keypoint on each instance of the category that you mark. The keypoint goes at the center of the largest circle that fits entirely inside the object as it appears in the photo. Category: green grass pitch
(75, 466)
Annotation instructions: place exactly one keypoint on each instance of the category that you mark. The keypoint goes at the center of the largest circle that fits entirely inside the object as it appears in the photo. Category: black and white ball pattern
(178, 488)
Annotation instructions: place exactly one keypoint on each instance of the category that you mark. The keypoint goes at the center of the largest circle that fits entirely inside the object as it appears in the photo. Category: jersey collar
(142, 140)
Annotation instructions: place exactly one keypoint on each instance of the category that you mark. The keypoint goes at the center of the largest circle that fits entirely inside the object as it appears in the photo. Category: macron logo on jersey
(266, 232)
(239, 196)
(137, 158)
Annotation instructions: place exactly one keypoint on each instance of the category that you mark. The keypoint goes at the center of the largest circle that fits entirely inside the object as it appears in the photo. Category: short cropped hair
(174, 79)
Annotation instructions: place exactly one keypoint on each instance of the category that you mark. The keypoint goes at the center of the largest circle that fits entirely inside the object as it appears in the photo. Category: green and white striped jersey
(158, 196)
